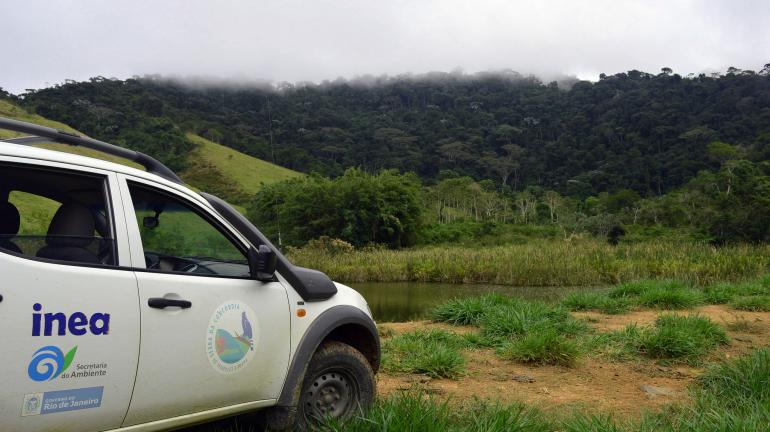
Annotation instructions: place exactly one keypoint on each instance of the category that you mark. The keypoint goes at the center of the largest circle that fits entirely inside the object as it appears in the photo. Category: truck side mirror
(262, 263)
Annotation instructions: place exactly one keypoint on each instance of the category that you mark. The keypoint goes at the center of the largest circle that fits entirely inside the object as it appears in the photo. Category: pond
(405, 301)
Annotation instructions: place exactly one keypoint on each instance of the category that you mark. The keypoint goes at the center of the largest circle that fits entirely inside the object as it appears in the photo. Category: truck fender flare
(329, 320)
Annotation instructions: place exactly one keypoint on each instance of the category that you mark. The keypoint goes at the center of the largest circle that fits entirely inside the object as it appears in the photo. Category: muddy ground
(625, 388)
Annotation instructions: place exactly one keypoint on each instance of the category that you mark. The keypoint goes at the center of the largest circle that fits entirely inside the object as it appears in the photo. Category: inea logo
(78, 323)
(50, 362)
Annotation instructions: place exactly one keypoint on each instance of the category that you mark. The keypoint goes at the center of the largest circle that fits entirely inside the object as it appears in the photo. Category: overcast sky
(46, 42)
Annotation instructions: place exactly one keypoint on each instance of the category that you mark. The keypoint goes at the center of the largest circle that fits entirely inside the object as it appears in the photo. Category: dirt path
(596, 384)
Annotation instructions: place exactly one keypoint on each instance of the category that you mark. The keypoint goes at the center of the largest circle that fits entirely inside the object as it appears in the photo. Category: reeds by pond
(583, 262)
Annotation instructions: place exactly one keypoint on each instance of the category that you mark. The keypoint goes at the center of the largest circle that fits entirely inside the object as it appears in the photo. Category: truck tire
(339, 384)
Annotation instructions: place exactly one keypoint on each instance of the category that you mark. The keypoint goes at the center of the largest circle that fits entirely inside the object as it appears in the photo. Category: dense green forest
(490, 151)
(635, 130)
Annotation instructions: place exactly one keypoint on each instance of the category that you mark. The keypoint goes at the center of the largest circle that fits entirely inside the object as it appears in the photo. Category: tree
(526, 203)
(357, 207)
(554, 202)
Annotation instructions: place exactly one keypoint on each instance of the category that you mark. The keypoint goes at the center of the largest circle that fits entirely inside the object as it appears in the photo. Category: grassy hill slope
(247, 171)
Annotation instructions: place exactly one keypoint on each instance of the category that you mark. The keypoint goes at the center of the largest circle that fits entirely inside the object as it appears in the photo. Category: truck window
(177, 238)
(57, 215)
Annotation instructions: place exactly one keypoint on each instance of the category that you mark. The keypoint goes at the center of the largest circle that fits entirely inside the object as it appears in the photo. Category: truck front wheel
(339, 383)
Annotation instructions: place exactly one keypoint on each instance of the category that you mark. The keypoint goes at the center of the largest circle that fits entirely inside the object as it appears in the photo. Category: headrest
(72, 225)
(9, 219)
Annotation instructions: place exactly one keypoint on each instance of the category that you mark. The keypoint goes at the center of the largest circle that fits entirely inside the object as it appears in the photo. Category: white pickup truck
(130, 302)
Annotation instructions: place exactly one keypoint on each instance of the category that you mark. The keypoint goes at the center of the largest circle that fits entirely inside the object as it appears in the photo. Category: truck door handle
(162, 303)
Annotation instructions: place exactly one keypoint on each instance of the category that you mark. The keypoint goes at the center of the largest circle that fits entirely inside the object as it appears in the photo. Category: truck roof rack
(43, 134)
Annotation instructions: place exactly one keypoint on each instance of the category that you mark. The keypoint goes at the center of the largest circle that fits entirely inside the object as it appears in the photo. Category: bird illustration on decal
(231, 349)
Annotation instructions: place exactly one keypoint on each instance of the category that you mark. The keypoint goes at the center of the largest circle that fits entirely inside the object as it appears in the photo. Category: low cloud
(273, 41)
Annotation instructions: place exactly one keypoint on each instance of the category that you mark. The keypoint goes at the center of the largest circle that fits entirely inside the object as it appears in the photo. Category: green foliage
(546, 263)
(582, 301)
(753, 303)
(435, 353)
(674, 338)
(741, 379)
(526, 331)
(518, 318)
(667, 297)
(666, 294)
(413, 411)
(467, 311)
(514, 129)
(720, 293)
(459, 132)
(681, 338)
(735, 201)
(357, 207)
(588, 422)
(541, 347)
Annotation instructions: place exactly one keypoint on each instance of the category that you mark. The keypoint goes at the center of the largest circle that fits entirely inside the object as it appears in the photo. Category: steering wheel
(189, 268)
(152, 261)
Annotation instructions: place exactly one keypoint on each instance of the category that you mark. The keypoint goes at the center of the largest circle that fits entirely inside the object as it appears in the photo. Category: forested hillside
(639, 131)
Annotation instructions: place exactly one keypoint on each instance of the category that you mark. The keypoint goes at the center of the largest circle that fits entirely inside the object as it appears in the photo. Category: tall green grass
(750, 295)
(546, 263)
(525, 331)
(435, 353)
(415, 412)
(674, 338)
(541, 347)
(468, 311)
(582, 301)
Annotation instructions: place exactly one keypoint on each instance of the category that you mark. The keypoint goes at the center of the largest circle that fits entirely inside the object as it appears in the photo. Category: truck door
(211, 336)
(69, 316)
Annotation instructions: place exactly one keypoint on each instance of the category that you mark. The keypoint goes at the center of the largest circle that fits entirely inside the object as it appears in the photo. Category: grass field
(585, 262)
(247, 171)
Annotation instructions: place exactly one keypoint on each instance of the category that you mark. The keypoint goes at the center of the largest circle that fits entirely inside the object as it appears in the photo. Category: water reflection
(405, 301)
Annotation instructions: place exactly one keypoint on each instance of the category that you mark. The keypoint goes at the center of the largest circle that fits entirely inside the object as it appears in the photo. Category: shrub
(541, 347)
(331, 246)
(435, 353)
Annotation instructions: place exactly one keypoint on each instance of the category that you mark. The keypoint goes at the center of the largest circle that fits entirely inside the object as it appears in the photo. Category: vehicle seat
(9, 226)
(70, 233)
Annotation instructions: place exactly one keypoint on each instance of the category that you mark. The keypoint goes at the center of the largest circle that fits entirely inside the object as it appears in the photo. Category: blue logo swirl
(46, 364)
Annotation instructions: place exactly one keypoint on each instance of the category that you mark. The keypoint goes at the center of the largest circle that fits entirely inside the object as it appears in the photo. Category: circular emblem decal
(231, 336)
